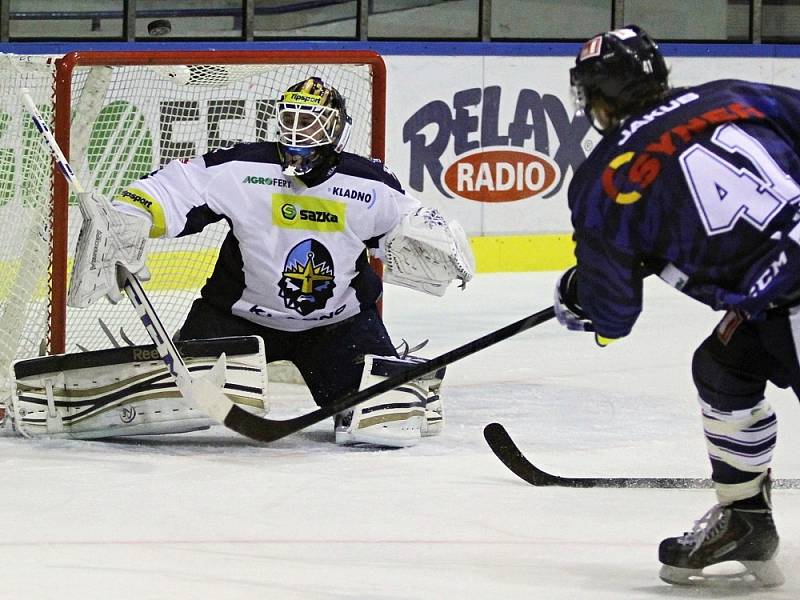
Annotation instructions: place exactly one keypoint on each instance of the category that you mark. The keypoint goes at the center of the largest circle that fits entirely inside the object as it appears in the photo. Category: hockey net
(119, 116)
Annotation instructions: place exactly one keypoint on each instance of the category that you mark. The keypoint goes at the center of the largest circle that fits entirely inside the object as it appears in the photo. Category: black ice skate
(742, 532)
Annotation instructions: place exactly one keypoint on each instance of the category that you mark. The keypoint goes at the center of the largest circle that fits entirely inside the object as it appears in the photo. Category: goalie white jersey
(295, 256)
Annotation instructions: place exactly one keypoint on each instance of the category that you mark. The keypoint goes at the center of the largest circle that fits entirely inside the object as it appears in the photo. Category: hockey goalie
(293, 274)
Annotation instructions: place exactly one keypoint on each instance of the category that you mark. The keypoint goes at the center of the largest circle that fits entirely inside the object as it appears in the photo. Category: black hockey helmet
(623, 67)
(313, 126)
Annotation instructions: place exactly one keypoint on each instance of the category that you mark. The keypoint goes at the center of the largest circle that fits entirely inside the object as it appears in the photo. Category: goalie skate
(730, 544)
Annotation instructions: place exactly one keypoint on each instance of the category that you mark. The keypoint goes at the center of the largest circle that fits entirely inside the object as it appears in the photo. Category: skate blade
(729, 573)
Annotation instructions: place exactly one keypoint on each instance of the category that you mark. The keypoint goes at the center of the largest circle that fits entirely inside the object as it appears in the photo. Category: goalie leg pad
(128, 391)
(409, 398)
(429, 385)
(393, 419)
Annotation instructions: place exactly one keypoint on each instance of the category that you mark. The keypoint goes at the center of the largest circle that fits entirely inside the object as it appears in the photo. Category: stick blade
(266, 430)
(510, 455)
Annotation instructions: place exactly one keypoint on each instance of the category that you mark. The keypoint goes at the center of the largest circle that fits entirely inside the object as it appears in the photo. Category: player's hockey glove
(569, 311)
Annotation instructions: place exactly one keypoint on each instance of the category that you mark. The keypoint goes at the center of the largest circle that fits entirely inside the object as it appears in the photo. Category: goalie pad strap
(213, 347)
(389, 367)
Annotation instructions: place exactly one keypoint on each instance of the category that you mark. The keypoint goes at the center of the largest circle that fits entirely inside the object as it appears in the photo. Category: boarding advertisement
(493, 141)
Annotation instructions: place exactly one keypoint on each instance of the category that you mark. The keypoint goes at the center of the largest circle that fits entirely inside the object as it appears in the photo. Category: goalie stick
(269, 430)
(205, 392)
(512, 457)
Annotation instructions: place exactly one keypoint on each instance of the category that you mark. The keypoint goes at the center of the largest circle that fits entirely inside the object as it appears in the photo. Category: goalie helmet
(623, 68)
(313, 127)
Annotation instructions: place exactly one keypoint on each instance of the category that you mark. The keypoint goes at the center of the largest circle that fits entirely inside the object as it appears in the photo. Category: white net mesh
(25, 214)
(126, 122)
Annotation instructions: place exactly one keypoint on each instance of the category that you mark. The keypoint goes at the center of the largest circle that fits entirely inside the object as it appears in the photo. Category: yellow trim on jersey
(624, 197)
(142, 200)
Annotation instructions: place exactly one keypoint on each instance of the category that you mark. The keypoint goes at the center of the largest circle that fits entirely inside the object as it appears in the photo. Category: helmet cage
(307, 125)
(313, 126)
(579, 95)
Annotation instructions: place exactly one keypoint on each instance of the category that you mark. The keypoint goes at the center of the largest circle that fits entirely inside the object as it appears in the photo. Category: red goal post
(118, 116)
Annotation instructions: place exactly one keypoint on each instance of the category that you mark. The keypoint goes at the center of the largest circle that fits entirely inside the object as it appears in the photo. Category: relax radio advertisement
(493, 141)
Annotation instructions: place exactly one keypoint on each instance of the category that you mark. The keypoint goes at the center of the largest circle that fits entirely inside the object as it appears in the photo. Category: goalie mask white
(313, 126)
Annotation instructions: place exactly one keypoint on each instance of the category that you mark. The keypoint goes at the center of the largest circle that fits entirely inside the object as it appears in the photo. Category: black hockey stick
(510, 455)
(269, 430)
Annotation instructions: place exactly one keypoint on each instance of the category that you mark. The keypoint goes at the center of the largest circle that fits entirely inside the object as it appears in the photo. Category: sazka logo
(496, 167)
(307, 282)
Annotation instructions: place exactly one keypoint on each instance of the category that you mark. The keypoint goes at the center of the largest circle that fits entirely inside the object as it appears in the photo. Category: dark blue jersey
(701, 190)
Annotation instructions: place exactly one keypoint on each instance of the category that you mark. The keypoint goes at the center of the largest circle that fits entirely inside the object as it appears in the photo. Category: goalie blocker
(128, 391)
(110, 236)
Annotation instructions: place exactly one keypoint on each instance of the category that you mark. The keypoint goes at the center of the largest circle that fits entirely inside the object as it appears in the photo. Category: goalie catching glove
(109, 238)
(425, 252)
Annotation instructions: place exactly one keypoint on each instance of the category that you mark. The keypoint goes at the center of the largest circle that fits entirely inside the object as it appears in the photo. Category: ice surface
(214, 516)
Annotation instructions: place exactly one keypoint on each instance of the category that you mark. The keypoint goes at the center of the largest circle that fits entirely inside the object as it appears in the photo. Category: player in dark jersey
(698, 186)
